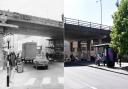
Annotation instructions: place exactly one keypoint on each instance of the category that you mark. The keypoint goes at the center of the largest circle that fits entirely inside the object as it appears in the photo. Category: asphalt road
(31, 78)
(91, 78)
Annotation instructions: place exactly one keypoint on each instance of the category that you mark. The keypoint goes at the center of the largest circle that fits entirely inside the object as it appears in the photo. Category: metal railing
(86, 24)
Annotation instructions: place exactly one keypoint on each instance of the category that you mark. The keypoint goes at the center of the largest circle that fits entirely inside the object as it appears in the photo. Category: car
(41, 61)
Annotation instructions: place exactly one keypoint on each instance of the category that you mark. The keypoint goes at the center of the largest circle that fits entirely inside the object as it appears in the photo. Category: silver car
(41, 61)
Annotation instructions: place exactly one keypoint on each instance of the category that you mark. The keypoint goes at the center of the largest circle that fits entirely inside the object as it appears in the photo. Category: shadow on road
(77, 63)
(125, 68)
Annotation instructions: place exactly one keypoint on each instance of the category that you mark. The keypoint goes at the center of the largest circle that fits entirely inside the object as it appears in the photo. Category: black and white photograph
(31, 44)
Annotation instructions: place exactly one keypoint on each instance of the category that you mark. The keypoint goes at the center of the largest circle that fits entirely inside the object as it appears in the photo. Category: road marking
(73, 84)
(46, 80)
(61, 80)
(30, 81)
(2, 83)
(1, 68)
(80, 82)
(93, 87)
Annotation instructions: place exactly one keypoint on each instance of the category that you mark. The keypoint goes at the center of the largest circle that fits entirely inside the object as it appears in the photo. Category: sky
(51, 9)
(89, 10)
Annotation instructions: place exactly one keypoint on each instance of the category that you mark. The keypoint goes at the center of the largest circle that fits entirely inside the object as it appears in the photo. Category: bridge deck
(31, 25)
(86, 24)
(82, 30)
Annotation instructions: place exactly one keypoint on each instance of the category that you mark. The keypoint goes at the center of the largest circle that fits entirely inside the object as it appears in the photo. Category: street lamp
(117, 3)
(8, 66)
(8, 42)
(100, 10)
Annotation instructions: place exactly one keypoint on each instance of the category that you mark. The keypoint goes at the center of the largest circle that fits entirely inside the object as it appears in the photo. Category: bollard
(8, 70)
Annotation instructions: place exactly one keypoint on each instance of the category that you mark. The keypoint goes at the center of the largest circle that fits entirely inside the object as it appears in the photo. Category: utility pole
(8, 66)
(100, 1)
(101, 10)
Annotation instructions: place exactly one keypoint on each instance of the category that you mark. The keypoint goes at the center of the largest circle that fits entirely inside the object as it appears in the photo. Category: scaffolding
(55, 49)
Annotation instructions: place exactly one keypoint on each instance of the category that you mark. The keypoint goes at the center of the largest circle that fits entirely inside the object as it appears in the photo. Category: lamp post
(100, 11)
(8, 58)
(117, 3)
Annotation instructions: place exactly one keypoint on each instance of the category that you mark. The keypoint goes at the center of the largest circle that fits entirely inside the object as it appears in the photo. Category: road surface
(85, 77)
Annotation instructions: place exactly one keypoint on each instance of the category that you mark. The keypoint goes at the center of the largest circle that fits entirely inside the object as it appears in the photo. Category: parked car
(41, 61)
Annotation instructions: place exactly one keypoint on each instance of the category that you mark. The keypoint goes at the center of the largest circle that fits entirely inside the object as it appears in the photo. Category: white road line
(2, 84)
(1, 68)
(61, 80)
(83, 83)
(46, 80)
(30, 81)
(93, 87)
(73, 84)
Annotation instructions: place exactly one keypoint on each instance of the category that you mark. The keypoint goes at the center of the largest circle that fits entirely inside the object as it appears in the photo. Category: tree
(119, 33)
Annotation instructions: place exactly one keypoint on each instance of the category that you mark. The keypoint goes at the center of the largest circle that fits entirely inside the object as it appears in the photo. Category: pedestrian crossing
(32, 81)
(1, 68)
(46, 80)
(61, 80)
(42, 81)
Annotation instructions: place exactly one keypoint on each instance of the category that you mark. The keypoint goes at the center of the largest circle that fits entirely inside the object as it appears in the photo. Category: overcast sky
(89, 10)
(52, 9)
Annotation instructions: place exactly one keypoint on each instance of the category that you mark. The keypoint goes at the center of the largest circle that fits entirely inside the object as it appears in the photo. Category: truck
(29, 50)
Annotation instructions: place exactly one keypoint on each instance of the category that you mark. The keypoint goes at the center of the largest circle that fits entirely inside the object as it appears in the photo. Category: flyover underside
(36, 29)
(75, 32)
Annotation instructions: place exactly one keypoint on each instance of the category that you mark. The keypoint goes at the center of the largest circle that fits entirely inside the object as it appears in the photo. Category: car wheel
(46, 67)
(36, 66)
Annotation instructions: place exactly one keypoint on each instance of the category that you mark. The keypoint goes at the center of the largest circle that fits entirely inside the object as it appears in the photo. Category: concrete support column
(67, 49)
(1, 48)
(75, 46)
(71, 46)
(100, 41)
(88, 49)
(79, 48)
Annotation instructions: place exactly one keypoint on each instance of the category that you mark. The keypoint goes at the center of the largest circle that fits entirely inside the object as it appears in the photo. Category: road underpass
(80, 36)
(13, 23)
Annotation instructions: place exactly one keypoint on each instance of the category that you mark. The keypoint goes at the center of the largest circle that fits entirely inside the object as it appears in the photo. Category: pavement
(117, 69)
(1, 65)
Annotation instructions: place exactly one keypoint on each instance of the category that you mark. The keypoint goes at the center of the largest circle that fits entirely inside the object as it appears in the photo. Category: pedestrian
(5, 59)
(98, 59)
(9, 60)
(103, 58)
(72, 57)
(47, 56)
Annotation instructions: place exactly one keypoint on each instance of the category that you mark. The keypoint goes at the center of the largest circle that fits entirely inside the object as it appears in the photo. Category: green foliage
(119, 34)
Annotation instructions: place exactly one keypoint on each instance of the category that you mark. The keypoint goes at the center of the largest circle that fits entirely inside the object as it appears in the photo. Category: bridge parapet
(31, 19)
(86, 24)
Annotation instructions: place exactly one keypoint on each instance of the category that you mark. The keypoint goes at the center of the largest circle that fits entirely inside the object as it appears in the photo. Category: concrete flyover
(31, 25)
(16, 23)
(78, 30)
